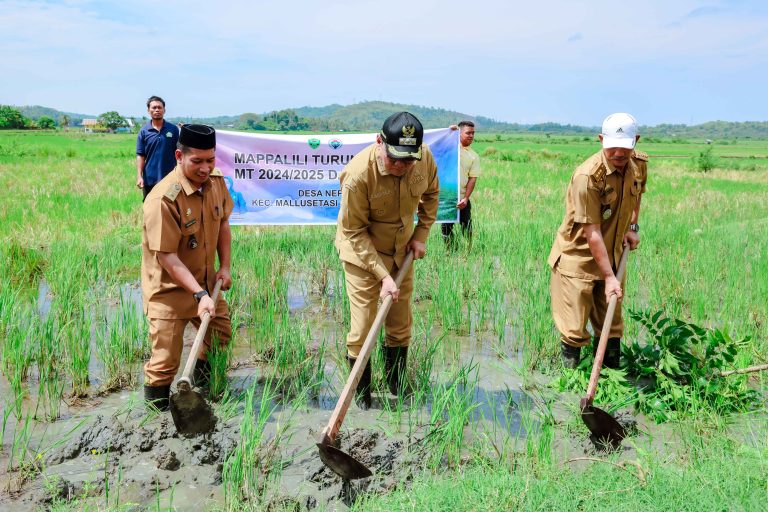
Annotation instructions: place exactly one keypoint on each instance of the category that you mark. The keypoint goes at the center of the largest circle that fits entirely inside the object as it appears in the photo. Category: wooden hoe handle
(600, 353)
(334, 424)
(185, 384)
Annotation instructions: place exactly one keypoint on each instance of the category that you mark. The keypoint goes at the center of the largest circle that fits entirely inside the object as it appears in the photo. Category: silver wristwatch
(634, 227)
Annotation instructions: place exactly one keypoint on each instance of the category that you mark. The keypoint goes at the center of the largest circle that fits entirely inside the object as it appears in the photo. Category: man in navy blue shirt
(155, 147)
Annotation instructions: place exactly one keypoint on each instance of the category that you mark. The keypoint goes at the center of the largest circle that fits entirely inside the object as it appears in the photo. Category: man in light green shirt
(469, 165)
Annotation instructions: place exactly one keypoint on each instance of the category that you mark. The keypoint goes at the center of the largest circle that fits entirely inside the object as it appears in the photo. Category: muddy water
(148, 461)
(107, 446)
(131, 292)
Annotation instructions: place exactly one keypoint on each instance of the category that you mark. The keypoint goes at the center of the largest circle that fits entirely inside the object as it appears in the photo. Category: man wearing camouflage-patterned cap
(382, 187)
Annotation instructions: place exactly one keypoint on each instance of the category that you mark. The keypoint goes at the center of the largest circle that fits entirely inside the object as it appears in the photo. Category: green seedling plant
(17, 357)
(77, 341)
(121, 343)
(49, 337)
(247, 468)
(681, 363)
(421, 358)
(296, 366)
(219, 356)
(676, 372)
(451, 410)
(50, 393)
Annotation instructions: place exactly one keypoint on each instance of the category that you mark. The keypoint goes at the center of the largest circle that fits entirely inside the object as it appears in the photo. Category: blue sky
(564, 61)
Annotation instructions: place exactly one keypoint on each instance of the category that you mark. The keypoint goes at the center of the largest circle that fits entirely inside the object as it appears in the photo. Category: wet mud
(150, 462)
(108, 449)
(143, 458)
(392, 462)
(120, 450)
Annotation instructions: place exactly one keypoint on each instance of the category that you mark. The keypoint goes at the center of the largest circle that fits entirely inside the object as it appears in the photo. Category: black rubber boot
(202, 374)
(363, 391)
(612, 357)
(157, 396)
(395, 367)
(571, 356)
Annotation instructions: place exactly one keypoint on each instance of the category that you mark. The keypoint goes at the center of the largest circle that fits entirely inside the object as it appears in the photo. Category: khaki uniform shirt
(598, 194)
(377, 209)
(469, 165)
(179, 218)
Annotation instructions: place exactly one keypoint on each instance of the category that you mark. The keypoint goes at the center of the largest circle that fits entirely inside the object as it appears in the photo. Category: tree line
(368, 116)
(12, 119)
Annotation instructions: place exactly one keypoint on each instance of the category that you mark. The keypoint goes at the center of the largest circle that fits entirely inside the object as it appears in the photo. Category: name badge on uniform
(607, 214)
(192, 242)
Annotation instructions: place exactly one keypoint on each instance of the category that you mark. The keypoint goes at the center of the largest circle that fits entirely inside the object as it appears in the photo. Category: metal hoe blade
(339, 462)
(191, 413)
(603, 426)
(344, 465)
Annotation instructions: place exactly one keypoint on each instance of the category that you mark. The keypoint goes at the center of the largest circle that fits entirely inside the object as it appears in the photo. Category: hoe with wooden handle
(603, 426)
(341, 463)
(191, 413)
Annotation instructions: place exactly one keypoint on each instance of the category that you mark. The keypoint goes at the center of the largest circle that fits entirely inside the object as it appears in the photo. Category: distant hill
(36, 112)
(710, 130)
(368, 116)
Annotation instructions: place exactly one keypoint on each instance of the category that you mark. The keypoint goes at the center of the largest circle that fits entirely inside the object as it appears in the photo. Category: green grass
(248, 468)
(72, 222)
(719, 481)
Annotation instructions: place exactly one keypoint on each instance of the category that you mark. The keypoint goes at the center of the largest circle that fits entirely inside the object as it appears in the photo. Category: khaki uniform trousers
(574, 301)
(166, 335)
(363, 290)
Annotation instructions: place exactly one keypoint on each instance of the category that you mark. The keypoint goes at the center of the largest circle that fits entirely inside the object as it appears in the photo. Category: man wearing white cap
(602, 207)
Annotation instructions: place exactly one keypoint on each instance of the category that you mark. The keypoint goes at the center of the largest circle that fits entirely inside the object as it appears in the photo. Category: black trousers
(147, 189)
(465, 220)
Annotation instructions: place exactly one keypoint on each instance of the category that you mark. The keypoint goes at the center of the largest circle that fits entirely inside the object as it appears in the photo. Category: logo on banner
(314, 143)
(335, 143)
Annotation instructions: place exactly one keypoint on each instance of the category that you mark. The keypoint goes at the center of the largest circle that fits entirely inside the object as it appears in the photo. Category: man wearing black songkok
(186, 225)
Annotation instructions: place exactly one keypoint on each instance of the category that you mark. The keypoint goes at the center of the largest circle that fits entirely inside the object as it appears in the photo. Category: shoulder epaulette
(598, 171)
(216, 172)
(173, 191)
(641, 156)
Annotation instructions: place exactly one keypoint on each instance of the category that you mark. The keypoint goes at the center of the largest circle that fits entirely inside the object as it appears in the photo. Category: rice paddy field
(493, 423)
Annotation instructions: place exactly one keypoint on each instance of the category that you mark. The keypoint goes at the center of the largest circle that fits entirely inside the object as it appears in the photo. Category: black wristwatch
(634, 227)
(199, 295)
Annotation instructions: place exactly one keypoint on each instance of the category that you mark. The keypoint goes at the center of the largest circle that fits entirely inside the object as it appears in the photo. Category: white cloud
(524, 60)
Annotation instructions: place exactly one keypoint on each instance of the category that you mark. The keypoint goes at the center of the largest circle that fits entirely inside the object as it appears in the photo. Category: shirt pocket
(418, 188)
(190, 235)
(608, 199)
(379, 207)
(218, 211)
